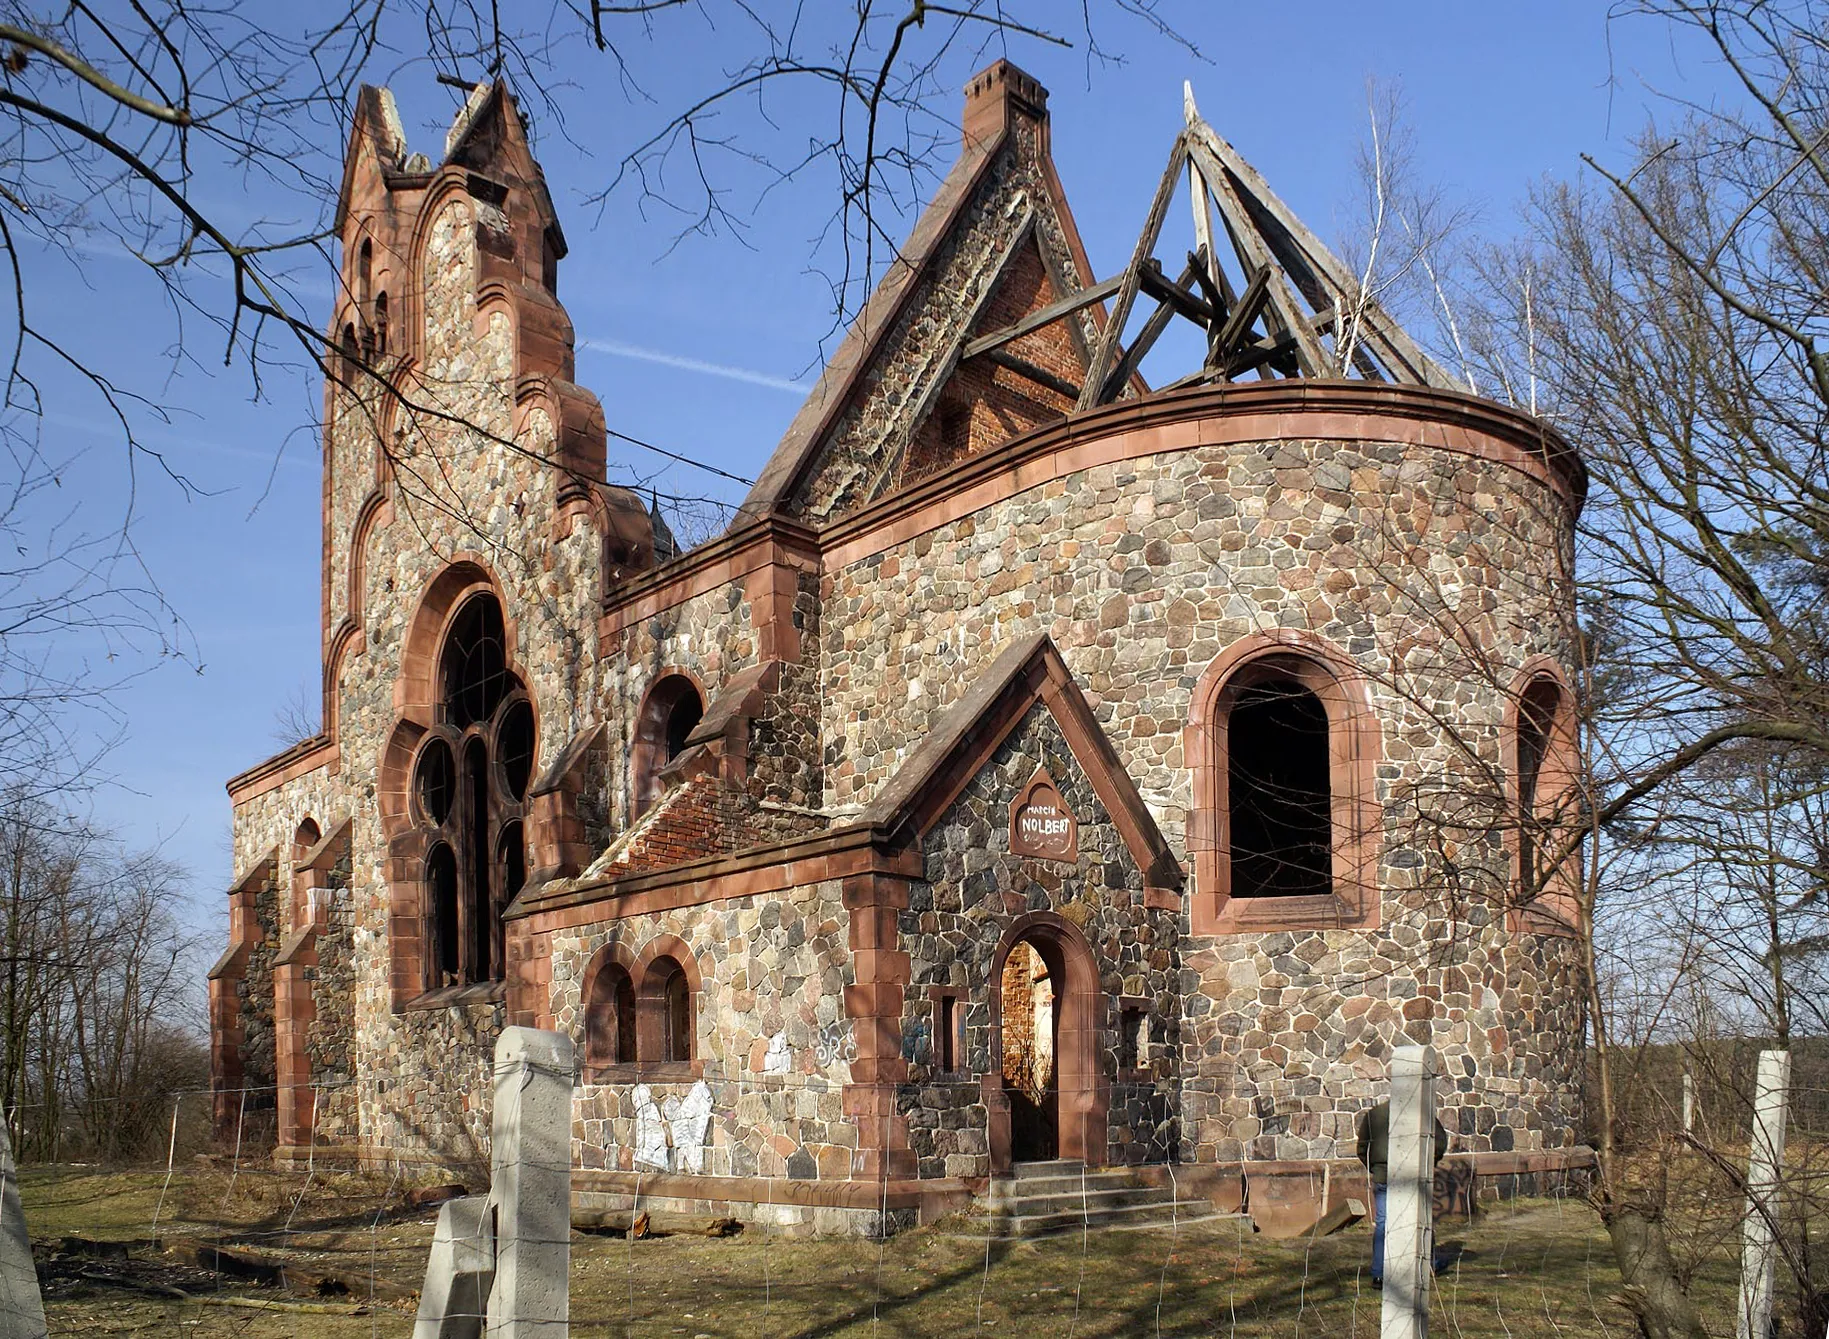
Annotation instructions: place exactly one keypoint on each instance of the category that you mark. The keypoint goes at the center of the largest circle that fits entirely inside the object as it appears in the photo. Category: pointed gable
(962, 742)
(900, 400)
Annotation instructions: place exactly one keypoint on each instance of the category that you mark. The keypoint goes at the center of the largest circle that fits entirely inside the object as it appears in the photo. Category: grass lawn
(1536, 1267)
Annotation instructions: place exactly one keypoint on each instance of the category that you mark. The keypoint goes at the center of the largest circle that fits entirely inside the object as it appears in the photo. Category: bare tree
(99, 1014)
(1673, 313)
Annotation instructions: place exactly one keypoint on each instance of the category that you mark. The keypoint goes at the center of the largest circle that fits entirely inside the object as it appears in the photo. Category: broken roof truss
(1295, 309)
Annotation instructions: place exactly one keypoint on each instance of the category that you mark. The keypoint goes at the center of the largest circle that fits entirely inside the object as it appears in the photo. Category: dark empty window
(1536, 718)
(441, 881)
(1278, 791)
(681, 722)
(609, 1018)
(380, 324)
(474, 665)
(435, 782)
(669, 715)
(468, 784)
(1133, 1037)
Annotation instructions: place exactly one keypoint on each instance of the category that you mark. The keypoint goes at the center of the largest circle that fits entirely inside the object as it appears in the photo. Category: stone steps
(1047, 1197)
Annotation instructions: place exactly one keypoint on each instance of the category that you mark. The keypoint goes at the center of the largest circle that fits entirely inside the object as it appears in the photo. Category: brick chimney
(998, 94)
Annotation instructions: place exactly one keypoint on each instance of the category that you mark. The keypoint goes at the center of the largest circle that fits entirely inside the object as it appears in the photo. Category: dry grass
(1536, 1267)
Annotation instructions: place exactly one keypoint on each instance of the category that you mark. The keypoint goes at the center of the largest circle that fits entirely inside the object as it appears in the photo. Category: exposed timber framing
(1292, 307)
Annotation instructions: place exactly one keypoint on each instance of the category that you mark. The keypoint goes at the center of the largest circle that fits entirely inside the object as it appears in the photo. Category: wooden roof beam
(1046, 316)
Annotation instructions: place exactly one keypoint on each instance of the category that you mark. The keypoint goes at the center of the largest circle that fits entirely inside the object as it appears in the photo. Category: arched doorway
(1031, 1016)
(1047, 1096)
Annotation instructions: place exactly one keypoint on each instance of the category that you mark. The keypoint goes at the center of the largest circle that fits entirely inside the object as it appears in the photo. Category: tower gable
(905, 396)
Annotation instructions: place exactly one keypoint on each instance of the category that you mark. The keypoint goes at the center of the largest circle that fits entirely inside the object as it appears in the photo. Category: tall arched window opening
(1545, 763)
(1536, 716)
(469, 785)
(1284, 742)
(380, 324)
(664, 1009)
(669, 715)
(609, 1017)
(1281, 812)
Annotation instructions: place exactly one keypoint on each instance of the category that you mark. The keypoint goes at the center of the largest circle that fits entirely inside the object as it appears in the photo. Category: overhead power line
(674, 455)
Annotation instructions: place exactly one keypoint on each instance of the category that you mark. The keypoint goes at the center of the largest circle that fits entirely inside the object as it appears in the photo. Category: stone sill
(665, 1071)
(1267, 915)
(475, 994)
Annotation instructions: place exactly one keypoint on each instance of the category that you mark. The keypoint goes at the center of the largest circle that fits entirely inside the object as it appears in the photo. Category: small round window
(435, 781)
(514, 746)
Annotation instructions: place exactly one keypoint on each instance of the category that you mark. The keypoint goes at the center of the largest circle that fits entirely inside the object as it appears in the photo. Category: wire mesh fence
(233, 1241)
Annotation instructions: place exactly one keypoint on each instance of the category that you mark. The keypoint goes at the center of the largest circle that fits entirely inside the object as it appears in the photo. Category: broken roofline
(1296, 292)
(1296, 295)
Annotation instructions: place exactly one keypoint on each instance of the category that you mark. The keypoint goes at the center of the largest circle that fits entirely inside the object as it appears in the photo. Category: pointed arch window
(469, 791)
(1544, 767)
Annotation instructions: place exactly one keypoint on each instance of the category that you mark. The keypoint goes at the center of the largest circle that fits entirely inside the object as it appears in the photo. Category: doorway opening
(1031, 1029)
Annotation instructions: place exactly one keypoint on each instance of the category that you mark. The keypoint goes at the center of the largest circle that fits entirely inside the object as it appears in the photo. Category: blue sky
(702, 347)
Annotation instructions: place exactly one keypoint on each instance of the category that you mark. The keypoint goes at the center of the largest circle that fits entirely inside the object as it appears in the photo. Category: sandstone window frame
(1355, 746)
(607, 1002)
(670, 709)
(668, 991)
(951, 1005)
(421, 977)
(1541, 799)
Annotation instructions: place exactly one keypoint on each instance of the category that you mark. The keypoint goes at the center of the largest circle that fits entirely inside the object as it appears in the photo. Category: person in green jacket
(1375, 1153)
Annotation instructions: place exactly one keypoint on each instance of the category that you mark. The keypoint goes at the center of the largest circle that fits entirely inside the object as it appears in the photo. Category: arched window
(1281, 829)
(1283, 745)
(304, 841)
(609, 1016)
(469, 786)
(664, 1013)
(1544, 761)
(380, 324)
(669, 714)
(365, 273)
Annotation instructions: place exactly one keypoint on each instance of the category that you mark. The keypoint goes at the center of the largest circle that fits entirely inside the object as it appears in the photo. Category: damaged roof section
(990, 322)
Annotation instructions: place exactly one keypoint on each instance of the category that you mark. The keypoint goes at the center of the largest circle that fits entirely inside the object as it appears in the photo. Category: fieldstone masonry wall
(772, 1042)
(1143, 573)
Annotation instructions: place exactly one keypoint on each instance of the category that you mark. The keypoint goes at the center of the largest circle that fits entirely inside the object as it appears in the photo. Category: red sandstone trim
(896, 1193)
(769, 869)
(1202, 416)
(299, 760)
(1355, 744)
(1083, 1098)
(874, 1006)
(1208, 416)
(1556, 911)
(770, 542)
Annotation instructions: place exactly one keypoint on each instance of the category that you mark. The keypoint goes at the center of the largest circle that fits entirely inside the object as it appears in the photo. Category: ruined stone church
(1043, 765)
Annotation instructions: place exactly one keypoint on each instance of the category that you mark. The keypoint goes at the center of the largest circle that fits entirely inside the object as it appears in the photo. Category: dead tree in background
(1672, 312)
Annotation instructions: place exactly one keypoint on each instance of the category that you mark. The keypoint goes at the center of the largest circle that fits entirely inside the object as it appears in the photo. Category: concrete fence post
(1765, 1167)
(21, 1307)
(1409, 1235)
(531, 1185)
(512, 1246)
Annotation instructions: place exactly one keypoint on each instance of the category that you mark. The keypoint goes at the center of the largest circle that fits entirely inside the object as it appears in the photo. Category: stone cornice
(306, 756)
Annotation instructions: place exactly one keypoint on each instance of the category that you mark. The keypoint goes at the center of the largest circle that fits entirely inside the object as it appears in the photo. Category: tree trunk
(1653, 1291)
